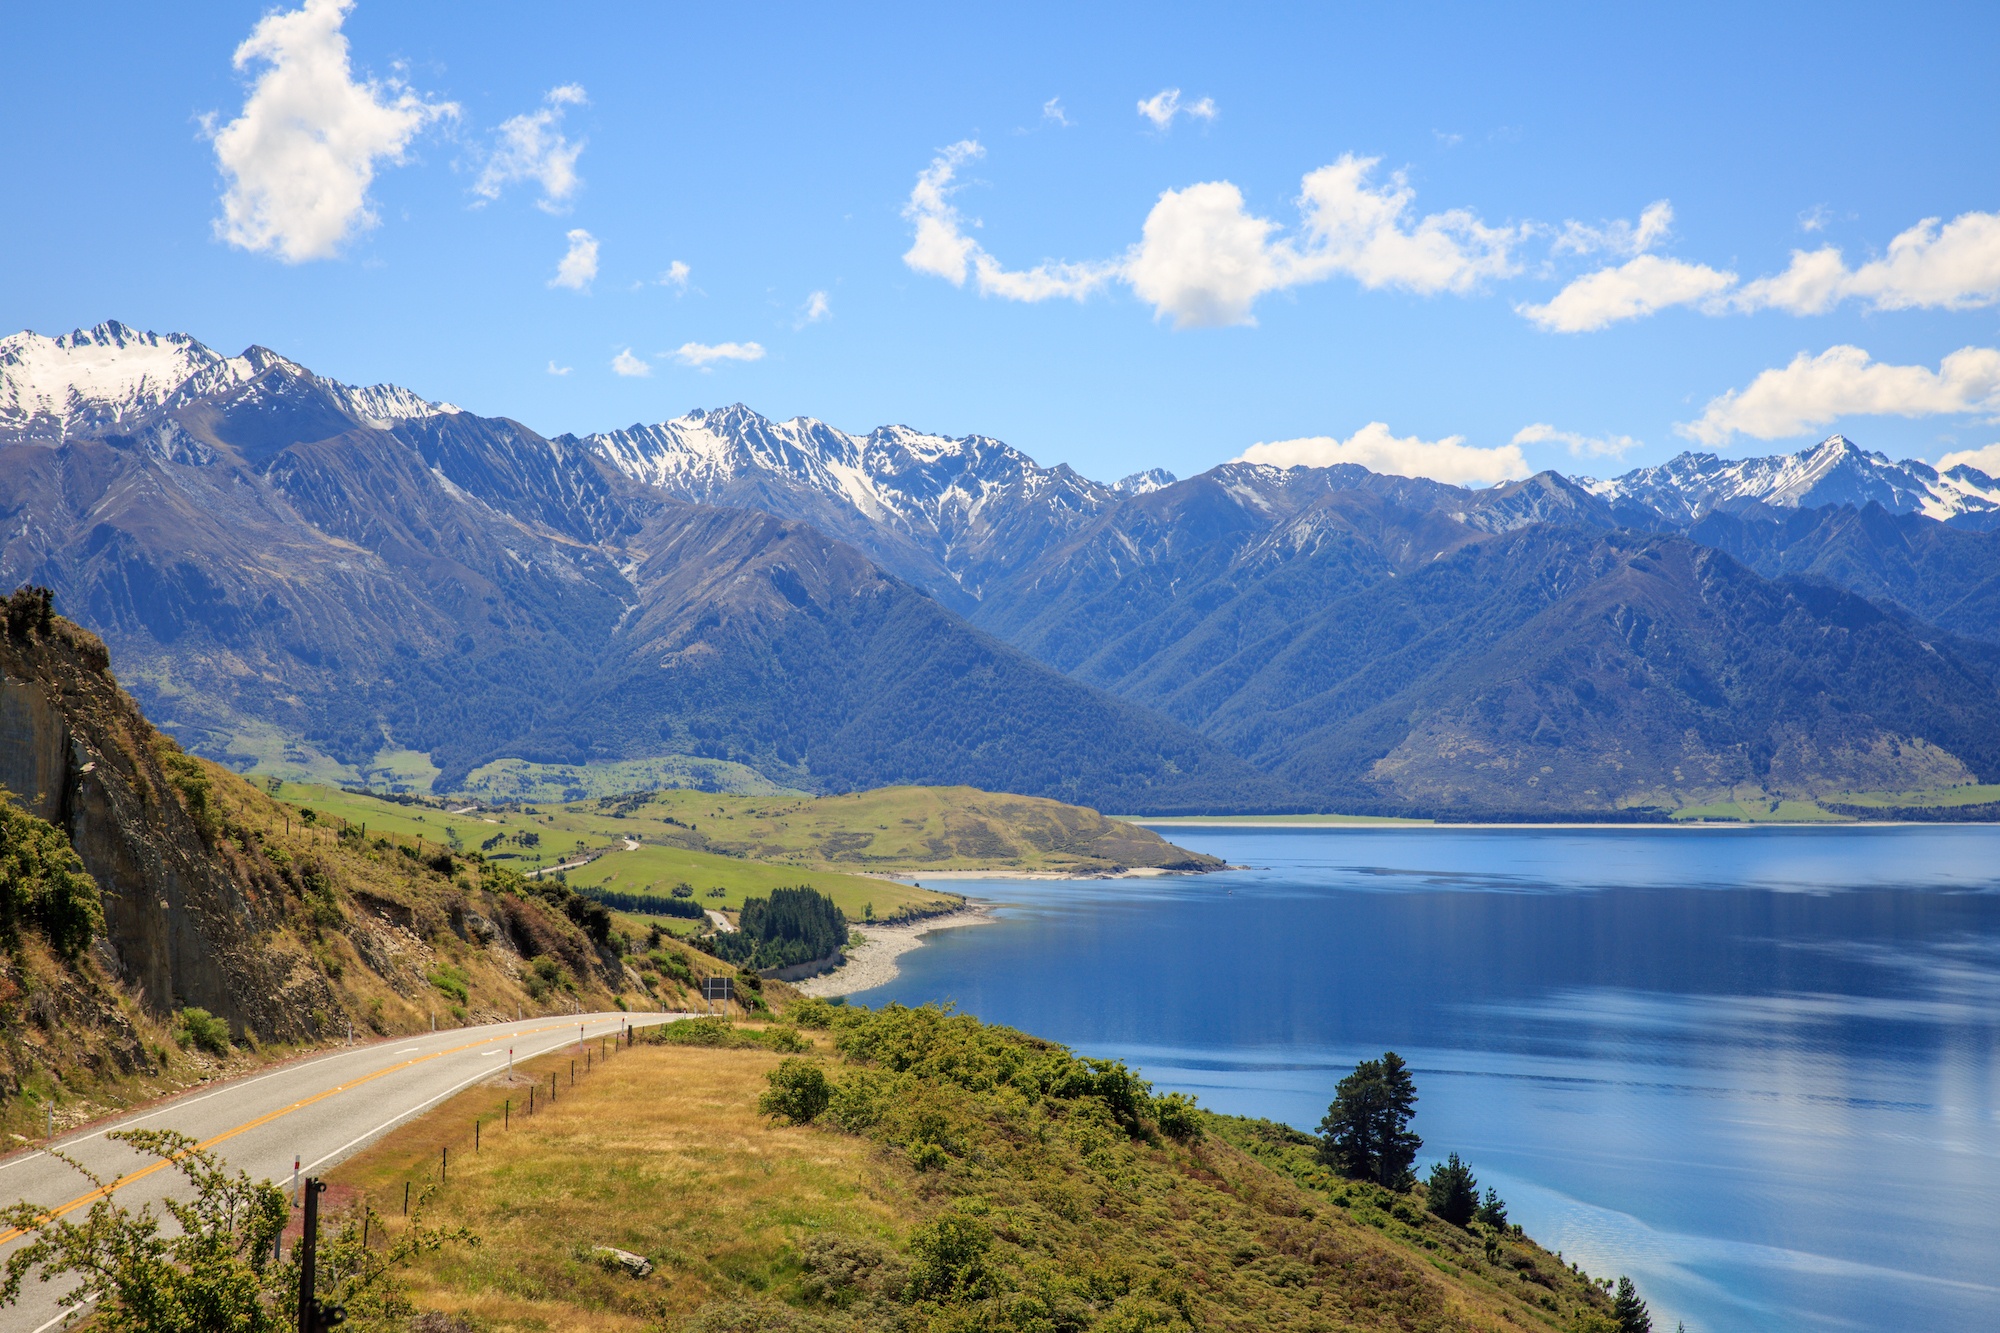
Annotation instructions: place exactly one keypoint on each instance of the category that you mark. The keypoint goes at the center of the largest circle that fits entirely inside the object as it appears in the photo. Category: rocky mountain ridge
(283, 578)
(364, 570)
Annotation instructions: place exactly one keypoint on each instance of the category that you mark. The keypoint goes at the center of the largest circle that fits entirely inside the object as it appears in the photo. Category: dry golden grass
(657, 1151)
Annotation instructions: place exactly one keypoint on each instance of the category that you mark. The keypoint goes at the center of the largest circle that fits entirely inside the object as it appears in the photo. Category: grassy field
(845, 846)
(1761, 812)
(519, 780)
(1940, 798)
(528, 838)
(1259, 821)
(938, 1191)
(903, 829)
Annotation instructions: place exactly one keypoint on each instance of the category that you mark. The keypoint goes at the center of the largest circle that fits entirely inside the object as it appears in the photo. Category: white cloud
(1618, 237)
(1637, 287)
(1203, 259)
(1811, 285)
(704, 355)
(578, 266)
(1164, 105)
(1375, 448)
(1580, 446)
(1934, 265)
(1843, 381)
(1052, 112)
(1985, 460)
(532, 147)
(630, 366)
(676, 276)
(815, 309)
(302, 155)
(555, 369)
(942, 249)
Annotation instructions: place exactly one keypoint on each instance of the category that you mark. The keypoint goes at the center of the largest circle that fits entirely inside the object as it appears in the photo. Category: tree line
(796, 925)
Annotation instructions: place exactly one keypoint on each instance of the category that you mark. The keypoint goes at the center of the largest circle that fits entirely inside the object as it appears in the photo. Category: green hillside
(918, 1170)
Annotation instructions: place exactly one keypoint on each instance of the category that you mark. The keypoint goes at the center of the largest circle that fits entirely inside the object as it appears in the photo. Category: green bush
(798, 1092)
(198, 1027)
(43, 884)
(1178, 1116)
(950, 1260)
(453, 982)
(811, 1013)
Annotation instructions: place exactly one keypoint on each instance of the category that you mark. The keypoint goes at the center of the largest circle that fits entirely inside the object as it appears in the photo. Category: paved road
(317, 1110)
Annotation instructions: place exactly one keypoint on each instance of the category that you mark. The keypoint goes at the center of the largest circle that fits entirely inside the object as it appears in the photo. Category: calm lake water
(1756, 1069)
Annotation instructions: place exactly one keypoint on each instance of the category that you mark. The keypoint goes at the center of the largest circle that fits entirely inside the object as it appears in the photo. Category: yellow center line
(104, 1191)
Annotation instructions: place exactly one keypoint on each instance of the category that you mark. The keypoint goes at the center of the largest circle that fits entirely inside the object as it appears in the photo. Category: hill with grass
(848, 1170)
(167, 919)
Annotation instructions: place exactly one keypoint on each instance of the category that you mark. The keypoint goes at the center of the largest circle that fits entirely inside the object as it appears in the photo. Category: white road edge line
(178, 1103)
(417, 1110)
(68, 1315)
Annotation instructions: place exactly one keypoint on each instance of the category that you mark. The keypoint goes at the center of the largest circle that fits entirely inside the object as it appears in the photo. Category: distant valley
(296, 575)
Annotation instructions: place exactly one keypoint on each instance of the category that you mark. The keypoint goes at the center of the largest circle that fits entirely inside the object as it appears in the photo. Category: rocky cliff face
(184, 925)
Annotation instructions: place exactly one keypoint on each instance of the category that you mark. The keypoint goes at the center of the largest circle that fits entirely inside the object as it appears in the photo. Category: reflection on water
(1758, 1070)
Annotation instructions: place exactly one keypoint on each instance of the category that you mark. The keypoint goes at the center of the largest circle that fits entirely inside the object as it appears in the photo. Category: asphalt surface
(315, 1111)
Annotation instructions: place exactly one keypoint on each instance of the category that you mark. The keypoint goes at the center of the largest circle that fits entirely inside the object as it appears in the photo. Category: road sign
(718, 988)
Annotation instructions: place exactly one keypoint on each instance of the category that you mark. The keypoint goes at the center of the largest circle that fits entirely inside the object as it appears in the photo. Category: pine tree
(1494, 1211)
(1366, 1130)
(1630, 1312)
(1454, 1194)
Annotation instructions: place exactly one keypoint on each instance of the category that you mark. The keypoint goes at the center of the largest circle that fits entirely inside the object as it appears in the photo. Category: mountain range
(294, 571)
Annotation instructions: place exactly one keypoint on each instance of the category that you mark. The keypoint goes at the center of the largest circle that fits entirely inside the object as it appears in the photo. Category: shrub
(452, 981)
(950, 1260)
(43, 883)
(811, 1013)
(798, 1092)
(788, 1041)
(858, 1101)
(1178, 1117)
(198, 1027)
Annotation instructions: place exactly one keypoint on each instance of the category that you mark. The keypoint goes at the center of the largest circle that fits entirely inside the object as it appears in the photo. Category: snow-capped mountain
(948, 514)
(1833, 472)
(95, 380)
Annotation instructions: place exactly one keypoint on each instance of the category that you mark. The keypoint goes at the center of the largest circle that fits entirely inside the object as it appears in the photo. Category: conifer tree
(1366, 1131)
(1453, 1193)
(1630, 1311)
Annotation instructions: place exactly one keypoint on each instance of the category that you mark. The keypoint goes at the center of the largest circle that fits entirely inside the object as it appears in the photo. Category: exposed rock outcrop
(185, 921)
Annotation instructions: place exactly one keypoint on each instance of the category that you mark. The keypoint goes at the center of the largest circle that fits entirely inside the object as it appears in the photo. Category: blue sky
(1232, 274)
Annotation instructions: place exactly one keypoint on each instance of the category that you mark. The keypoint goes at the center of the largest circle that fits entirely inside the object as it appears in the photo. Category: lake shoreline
(873, 962)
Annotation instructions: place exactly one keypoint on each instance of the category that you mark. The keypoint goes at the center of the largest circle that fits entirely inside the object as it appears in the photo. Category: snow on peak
(710, 453)
(104, 377)
(1145, 483)
(1833, 472)
(99, 376)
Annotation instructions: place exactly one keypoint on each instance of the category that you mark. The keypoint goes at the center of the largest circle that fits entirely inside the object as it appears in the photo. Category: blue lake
(1756, 1069)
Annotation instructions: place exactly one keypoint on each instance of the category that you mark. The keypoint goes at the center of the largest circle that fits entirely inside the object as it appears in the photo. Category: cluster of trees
(1366, 1135)
(794, 925)
(647, 904)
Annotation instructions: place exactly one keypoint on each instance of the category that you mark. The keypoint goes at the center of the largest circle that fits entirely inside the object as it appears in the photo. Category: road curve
(317, 1111)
